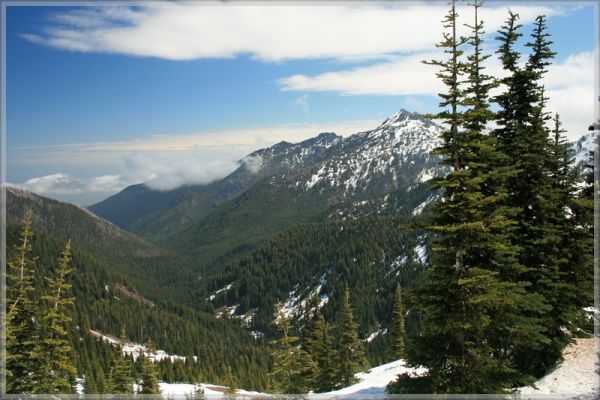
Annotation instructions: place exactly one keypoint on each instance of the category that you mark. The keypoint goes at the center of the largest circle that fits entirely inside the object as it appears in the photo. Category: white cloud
(253, 162)
(272, 32)
(569, 83)
(60, 183)
(162, 161)
(401, 76)
(165, 172)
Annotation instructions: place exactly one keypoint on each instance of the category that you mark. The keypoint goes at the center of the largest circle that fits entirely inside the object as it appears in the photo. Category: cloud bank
(569, 83)
(163, 162)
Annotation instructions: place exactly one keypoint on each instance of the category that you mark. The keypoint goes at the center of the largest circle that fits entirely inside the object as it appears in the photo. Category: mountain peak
(401, 116)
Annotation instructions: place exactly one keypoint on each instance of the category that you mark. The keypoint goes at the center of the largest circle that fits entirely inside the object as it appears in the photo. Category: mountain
(581, 149)
(121, 281)
(152, 213)
(286, 184)
(136, 259)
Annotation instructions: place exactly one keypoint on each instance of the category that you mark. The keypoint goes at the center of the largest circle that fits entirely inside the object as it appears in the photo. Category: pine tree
(20, 312)
(581, 243)
(120, 372)
(53, 349)
(89, 385)
(149, 374)
(318, 344)
(350, 355)
(539, 197)
(230, 381)
(468, 304)
(292, 365)
(398, 325)
(101, 385)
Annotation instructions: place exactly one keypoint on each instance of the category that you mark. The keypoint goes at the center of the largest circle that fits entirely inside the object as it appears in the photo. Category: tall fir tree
(89, 384)
(398, 331)
(466, 302)
(318, 344)
(581, 242)
(539, 197)
(56, 369)
(149, 372)
(350, 355)
(292, 366)
(20, 312)
(121, 381)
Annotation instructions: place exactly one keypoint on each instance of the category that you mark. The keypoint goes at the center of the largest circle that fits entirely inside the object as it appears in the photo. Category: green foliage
(121, 381)
(39, 354)
(292, 365)
(103, 305)
(501, 295)
(350, 356)
(318, 344)
(149, 374)
(363, 253)
(20, 311)
(52, 350)
(398, 331)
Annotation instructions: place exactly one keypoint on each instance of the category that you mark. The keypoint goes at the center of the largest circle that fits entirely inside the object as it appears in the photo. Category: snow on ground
(204, 390)
(214, 295)
(421, 253)
(137, 349)
(372, 382)
(373, 335)
(577, 375)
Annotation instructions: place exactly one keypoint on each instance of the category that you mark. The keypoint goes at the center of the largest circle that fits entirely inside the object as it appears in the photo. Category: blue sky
(102, 97)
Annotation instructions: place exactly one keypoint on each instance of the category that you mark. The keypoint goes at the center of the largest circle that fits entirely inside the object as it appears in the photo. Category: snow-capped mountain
(285, 156)
(391, 156)
(363, 166)
(581, 148)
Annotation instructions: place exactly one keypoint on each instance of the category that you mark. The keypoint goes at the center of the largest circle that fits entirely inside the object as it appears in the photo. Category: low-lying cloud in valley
(163, 162)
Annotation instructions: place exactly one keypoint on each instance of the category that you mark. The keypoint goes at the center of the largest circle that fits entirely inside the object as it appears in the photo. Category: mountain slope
(365, 167)
(134, 258)
(121, 281)
(155, 214)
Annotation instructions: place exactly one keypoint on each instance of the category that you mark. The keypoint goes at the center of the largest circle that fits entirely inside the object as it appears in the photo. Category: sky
(100, 96)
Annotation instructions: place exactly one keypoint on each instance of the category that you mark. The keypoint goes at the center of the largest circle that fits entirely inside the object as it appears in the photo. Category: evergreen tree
(89, 385)
(292, 365)
(120, 372)
(101, 384)
(20, 312)
(318, 344)
(149, 373)
(581, 241)
(230, 381)
(350, 356)
(467, 304)
(398, 325)
(539, 192)
(53, 349)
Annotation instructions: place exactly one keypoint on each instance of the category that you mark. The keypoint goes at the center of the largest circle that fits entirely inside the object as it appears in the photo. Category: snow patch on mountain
(420, 252)
(296, 303)
(223, 289)
(136, 350)
(372, 336)
(582, 148)
(356, 162)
